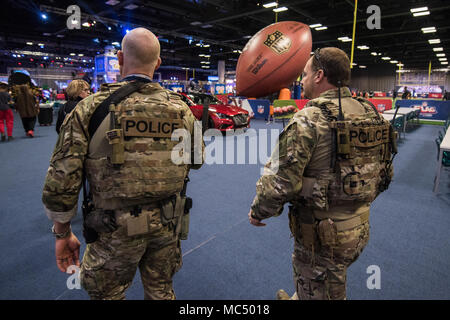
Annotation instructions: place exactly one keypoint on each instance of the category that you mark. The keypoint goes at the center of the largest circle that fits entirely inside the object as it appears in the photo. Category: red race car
(222, 116)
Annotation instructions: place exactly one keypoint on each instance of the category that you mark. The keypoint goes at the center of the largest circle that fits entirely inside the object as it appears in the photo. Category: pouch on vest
(327, 233)
(167, 211)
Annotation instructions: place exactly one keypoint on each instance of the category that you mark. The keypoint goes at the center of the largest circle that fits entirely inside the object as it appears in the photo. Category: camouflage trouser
(321, 275)
(109, 264)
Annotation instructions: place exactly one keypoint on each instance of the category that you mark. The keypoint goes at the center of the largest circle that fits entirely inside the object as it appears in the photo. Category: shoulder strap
(103, 109)
(362, 100)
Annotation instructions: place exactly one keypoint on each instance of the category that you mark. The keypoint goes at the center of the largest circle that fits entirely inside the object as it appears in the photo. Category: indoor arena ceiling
(219, 29)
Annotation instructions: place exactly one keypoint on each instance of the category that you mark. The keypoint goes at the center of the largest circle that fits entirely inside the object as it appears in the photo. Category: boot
(3, 137)
(30, 133)
(10, 138)
(282, 295)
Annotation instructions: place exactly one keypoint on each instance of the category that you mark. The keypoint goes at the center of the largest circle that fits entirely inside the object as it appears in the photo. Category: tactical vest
(145, 121)
(360, 168)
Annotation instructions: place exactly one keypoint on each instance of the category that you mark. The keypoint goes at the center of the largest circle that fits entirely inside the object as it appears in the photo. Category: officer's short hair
(335, 64)
(75, 88)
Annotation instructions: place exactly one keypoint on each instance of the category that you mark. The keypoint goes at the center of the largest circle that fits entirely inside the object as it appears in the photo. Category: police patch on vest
(150, 127)
(369, 137)
(278, 42)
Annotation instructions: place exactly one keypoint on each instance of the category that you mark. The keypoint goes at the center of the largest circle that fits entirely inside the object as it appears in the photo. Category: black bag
(45, 116)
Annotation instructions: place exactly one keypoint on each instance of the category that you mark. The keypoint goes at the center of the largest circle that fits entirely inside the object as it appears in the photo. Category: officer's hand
(255, 222)
(67, 252)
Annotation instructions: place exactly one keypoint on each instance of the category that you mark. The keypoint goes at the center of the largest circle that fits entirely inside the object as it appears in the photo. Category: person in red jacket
(6, 114)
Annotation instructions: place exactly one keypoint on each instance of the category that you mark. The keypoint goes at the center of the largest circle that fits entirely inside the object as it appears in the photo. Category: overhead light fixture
(354, 64)
(315, 25)
(362, 67)
(207, 55)
(444, 62)
(393, 61)
(206, 26)
(246, 37)
(434, 41)
(415, 10)
(374, 53)
(429, 29)
(344, 39)
(280, 9)
(363, 47)
(438, 49)
(440, 54)
(80, 54)
(270, 5)
(198, 44)
(72, 54)
(29, 43)
(206, 45)
(131, 6)
(112, 2)
(44, 16)
(386, 58)
(423, 13)
(321, 28)
(115, 43)
(400, 64)
(442, 59)
(196, 23)
(40, 44)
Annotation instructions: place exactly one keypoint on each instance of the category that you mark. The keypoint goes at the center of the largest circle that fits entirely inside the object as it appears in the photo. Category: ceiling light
(72, 54)
(386, 58)
(434, 41)
(418, 9)
(207, 55)
(400, 64)
(442, 59)
(115, 43)
(315, 25)
(280, 9)
(206, 26)
(346, 40)
(363, 47)
(201, 55)
(354, 64)
(131, 6)
(246, 37)
(429, 29)
(438, 49)
(440, 54)
(112, 2)
(30, 43)
(322, 28)
(86, 24)
(423, 13)
(206, 45)
(444, 62)
(373, 53)
(196, 23)
(270, 5)
(393, 61)
(362, 67)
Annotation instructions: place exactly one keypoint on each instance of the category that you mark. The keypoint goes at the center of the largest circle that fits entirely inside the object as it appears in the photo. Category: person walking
(6, 114)
(27, 106)
(77, 90)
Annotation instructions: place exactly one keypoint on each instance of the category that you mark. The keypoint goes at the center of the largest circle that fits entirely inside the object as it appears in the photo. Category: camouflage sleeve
(197, 143)
(282, 178)
(64, 176)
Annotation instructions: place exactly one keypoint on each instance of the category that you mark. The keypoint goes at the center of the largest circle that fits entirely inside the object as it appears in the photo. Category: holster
(175, 214)
(89, 234)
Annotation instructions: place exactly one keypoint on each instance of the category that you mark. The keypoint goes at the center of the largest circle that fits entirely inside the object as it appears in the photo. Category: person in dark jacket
(28, 107)
(76, 91)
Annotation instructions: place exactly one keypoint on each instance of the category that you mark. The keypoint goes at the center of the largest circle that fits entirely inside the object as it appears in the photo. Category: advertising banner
(260, 108)
(112, 64)
(429, 109)
(176, 87)
(219, 88)
(382, 104)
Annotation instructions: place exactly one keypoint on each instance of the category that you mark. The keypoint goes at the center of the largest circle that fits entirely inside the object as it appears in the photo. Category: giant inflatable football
(273, 58)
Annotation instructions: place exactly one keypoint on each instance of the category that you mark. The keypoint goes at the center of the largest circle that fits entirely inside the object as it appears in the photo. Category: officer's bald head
(140, 52)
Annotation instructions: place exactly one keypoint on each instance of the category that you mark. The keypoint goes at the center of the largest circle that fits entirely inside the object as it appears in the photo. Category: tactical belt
(352, 223)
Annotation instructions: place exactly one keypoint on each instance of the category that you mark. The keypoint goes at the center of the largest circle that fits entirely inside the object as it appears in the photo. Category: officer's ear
(320, 75)
(158, 63)
(120, 57)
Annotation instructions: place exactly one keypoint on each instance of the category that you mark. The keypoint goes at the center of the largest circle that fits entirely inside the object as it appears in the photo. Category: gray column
(221, 71)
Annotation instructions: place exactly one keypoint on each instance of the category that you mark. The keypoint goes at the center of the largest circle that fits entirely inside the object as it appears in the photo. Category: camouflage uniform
(330, 231)
(147, 175)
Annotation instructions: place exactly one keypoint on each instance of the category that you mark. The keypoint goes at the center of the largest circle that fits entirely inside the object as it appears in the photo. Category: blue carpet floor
(225, 257)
